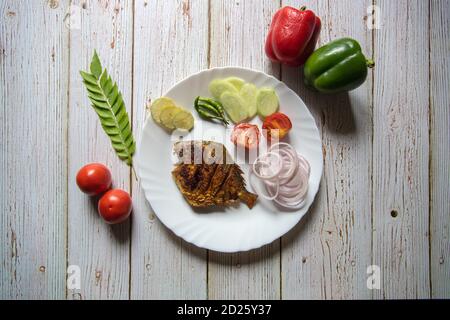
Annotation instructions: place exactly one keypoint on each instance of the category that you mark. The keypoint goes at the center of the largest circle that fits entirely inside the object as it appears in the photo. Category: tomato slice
(245, 135)
(276, 126)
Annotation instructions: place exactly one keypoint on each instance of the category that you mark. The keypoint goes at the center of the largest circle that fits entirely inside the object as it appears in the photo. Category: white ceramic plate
(234, 228)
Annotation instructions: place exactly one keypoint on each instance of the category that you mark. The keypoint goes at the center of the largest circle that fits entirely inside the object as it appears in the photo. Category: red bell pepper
(292, 35)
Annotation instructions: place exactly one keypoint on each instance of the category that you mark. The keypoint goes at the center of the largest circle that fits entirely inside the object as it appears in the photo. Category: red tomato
(245, 135)
(276, 126)
(94, 179)
(115, 206)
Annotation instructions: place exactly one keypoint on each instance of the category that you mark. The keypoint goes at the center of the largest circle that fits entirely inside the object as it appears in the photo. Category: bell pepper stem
(370, 63)
(302, 8)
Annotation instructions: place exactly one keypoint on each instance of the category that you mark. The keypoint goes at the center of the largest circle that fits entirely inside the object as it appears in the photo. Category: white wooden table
(384, 196)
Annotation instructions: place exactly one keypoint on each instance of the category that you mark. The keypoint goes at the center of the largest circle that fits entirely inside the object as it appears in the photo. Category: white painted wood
(100, 250)
(49, 131)
(401, 150)
(171, 42)
(33, 118)
(238, 30)
(440, 149)
(326, 255)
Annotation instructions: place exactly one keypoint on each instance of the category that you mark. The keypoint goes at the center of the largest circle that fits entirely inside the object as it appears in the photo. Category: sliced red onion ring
(266, 163)
(291, 168)
(259, 192)
(304, 163)
(284, 173)
(280, 145)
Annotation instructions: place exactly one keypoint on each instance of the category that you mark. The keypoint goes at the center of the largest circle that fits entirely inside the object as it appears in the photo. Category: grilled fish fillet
(207, 175)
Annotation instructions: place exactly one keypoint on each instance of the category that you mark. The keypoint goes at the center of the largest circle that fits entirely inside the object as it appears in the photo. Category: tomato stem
(370, 63)
(302, 8)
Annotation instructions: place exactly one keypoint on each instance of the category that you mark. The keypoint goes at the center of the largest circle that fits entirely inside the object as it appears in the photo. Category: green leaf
(88, 78)
(108, 103)
(107, 123)
(99, 97)
(96, 66)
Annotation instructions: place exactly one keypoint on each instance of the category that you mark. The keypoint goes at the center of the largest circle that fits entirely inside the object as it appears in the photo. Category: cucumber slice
(167, 115)
(234, 106)
(183, 120)
(266, 102)
(236, 82)
(217, 87)
(158, 105)
(248, 93)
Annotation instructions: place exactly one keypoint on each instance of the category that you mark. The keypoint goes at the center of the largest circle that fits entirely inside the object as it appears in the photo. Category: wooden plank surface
(100, 250)
(33, 117)
(401, 150)
(327, 254)
(384, 193)
(238, 30)
(440, 148)
(165, 51)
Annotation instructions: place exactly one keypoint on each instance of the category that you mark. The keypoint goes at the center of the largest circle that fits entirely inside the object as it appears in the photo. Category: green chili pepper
(208, 116)
(337, 66)
(210, 109)
(216, 104)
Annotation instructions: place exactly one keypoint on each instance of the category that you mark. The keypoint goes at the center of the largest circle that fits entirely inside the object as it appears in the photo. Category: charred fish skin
(206, 175)
(194, 182)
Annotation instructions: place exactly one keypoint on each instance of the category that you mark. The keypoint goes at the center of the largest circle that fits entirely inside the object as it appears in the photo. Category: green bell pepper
(337, 66)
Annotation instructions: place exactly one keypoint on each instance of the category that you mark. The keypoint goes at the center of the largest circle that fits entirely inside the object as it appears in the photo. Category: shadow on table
(332, 112)
(121, 231)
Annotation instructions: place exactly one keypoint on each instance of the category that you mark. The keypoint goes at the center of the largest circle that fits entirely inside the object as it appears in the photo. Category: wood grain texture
(327, 254)
(401, 150)
(384, 193)
(33, 100)
(440, 148)
(100, 250)
(171, 42)
(238, 30)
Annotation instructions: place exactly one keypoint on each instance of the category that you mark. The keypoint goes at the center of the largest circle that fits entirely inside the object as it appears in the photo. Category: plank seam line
(130, 180)
(208, 57)
(430, 154)
(67, 162)
(372, 166)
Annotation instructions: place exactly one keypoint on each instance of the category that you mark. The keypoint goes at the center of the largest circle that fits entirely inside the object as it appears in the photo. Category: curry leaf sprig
(108, 103)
